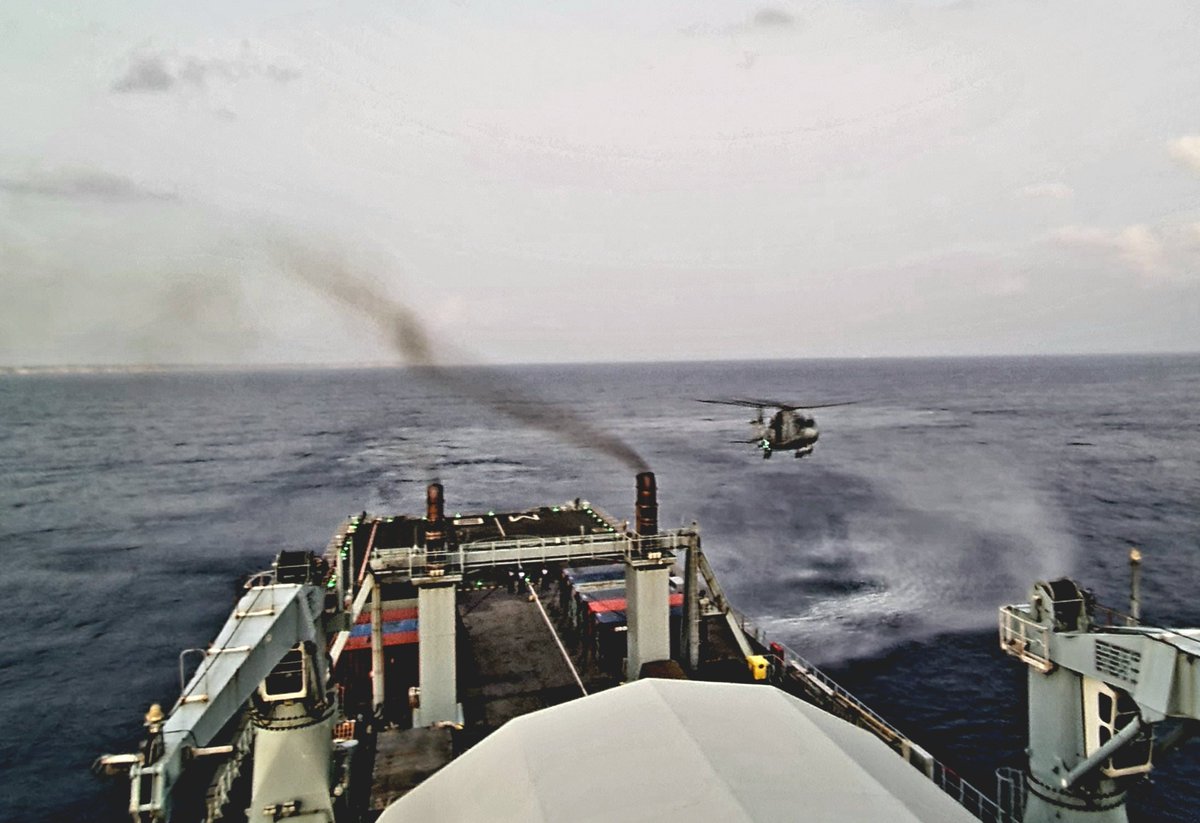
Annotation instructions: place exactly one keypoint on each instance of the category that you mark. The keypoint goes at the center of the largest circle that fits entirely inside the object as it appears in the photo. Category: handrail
(1024, 638)
(1112, 616)
(1012, 791)
(415, 561)
(808, 670)
(968, 796)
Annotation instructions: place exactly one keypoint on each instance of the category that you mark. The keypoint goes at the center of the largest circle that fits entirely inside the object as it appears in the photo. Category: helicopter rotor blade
(736, 401)
(779, 404)
(763, 403)
(831, 405)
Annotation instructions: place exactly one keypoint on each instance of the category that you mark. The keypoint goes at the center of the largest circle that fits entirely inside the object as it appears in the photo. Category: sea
(133, 505)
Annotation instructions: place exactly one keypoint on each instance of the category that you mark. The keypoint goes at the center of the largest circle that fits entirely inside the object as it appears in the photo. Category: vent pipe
(647, 504)
(1135, 585)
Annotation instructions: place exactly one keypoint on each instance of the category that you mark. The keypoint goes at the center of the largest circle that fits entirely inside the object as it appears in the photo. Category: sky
(612, 181)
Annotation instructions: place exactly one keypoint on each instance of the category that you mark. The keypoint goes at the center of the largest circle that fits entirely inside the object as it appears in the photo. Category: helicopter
(791, 427)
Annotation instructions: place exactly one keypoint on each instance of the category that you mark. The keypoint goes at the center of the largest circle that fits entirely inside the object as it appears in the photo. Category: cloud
(154, 73)
(1187, 151)
(1157, 254)
(146, 74)
(83, 184)
(1051, 191)
(772, 18)
(766, 19)
(1140, 248)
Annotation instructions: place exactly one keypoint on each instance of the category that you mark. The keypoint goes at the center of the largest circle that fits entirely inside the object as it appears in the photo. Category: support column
(689, 647)
(648, 611)
(291, 766)
(437, 651)
(377, 661)
(1056, 740)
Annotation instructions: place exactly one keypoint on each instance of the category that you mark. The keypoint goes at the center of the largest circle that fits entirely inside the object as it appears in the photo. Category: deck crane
(1102, 687)
(268, 666)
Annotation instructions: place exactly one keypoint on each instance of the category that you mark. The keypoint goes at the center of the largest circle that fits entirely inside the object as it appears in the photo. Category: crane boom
(267, 623)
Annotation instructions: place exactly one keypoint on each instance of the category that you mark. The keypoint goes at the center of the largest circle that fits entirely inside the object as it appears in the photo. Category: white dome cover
(670, 750)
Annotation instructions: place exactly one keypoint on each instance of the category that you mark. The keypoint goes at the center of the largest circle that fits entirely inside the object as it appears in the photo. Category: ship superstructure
(421, 657)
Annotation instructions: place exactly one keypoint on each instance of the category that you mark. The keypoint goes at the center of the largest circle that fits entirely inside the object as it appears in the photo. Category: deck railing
(1025, 638)
(968, 796)
(416, 562)
(1012, 790)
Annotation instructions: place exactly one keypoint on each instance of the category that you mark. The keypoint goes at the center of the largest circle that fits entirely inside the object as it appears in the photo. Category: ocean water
(132, 506)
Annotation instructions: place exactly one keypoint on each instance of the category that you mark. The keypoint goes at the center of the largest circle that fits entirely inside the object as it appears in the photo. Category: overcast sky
(603, 181)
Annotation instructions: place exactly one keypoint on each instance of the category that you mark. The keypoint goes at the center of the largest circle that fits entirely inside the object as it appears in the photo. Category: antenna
(1135, 583)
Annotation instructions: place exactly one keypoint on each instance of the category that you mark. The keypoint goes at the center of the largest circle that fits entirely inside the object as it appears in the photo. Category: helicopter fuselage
(786, 430)
(792, 427)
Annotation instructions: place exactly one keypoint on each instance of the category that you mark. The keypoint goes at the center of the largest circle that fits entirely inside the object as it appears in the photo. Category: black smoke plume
(408, 337)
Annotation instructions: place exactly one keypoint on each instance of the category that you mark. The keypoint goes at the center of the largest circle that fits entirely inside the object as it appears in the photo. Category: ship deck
(574, 560)
(442, 630)
(510, 665)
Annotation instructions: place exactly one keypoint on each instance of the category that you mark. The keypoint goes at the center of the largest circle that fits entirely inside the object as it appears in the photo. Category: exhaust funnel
(647, 504)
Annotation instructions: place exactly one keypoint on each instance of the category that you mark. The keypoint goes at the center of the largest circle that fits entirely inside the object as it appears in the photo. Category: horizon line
(125, 368)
